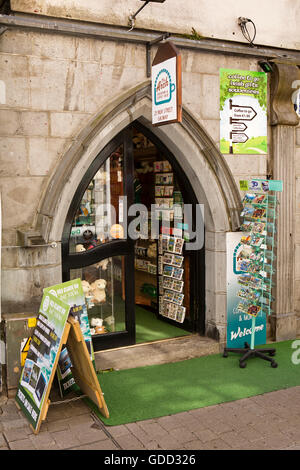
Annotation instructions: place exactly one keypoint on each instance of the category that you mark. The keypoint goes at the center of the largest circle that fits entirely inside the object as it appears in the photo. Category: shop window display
(97, 217)
(103, 287)
(160, 267)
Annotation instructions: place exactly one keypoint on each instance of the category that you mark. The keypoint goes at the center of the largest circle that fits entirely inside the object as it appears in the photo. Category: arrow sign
(239, 138)
(243, 113)
(238, 126)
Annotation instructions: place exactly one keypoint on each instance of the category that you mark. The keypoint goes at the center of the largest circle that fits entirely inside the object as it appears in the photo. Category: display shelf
(255, 264)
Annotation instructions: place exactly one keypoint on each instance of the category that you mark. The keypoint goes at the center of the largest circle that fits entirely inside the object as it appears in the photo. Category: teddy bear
(98, 291)
(103, 264)
(86, 287)
(97, 326)
(79, 248)
(151, 251)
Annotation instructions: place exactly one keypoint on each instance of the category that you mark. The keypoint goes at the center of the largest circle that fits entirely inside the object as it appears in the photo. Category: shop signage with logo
(166, 85)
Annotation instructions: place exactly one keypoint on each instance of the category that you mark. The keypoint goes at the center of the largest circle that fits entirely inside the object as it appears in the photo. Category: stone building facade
(72, 80)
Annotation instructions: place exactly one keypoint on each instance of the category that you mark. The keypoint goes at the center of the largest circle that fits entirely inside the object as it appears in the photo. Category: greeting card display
(255, 261)
(170, 262)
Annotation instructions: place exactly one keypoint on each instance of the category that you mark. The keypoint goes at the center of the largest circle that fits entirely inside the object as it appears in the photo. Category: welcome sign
(239, 325)
(166, 85)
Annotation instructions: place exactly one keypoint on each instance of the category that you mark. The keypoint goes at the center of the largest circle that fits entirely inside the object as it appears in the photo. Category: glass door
(95, 246)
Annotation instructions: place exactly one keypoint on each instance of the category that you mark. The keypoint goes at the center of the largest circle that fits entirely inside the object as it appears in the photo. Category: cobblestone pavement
(264, 422)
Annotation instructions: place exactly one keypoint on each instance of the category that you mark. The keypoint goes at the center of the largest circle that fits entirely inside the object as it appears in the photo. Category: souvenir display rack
(255, 264)
(171, 275)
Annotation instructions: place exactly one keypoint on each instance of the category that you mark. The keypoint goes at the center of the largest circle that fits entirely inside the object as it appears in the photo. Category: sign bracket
(148, 51)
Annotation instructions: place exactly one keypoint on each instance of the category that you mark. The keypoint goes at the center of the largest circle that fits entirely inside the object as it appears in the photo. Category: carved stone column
(283, 122)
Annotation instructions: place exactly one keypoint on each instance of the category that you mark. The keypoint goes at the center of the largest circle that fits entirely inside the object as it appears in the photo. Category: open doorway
(137, 290)
(162, 287)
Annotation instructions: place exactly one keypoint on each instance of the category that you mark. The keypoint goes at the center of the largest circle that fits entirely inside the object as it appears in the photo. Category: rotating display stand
(255, 263)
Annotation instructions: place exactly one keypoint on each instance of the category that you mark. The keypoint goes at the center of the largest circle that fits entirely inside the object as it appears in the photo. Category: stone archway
(199, 158)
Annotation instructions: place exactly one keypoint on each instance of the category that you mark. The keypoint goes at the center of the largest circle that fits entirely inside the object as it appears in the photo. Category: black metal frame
(126, 247)
(248, 353)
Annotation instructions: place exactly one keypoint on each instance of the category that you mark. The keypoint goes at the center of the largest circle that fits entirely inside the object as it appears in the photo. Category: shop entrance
(126, 238)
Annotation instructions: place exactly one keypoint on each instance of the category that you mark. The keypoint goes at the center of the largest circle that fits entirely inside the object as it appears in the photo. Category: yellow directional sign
(25, 350)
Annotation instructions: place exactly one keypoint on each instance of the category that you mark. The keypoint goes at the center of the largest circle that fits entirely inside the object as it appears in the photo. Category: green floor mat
(151, 328)
(148, 326)
(153, 391)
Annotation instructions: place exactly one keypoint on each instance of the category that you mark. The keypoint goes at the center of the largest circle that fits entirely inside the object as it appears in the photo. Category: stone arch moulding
(197, 154)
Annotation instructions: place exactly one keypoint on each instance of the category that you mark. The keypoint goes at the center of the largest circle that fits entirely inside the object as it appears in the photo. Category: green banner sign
(40, 364)
(243, 112)
(72, 293)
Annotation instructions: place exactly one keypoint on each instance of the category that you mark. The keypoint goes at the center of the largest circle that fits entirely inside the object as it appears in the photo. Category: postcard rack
(255, 264)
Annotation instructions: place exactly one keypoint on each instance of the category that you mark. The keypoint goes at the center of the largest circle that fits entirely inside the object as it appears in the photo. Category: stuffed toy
(103, 264)
(97, 326)
(86, 287)
(151, 252)
(79, 248)
(98, 291)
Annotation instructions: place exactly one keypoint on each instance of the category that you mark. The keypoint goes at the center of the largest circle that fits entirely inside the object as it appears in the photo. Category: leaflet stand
(260, 267)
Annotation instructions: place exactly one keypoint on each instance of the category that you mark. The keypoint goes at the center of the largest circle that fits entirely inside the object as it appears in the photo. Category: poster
(72, 293)
(239, 325)
(40, 364)
(243, 112)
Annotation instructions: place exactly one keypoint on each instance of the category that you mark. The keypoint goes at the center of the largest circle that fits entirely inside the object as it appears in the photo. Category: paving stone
(170, 443)
(65, 439)
(194, 445)
(169, 422)
(43, 441)
(217, 444)
(153, 429)
(182, 435)
(139, 433)
(86, 434)
(205, 435)
(2, 440)
(23, 444)
(117, 431)
(129, 442)
(17, 434)
(101, 445)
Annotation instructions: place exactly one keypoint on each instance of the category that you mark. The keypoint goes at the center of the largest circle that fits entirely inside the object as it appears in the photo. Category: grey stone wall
(56, 87)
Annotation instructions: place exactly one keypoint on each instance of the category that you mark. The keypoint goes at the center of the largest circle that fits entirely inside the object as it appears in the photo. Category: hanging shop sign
(239, 324)
(243, 112)
(166, 85)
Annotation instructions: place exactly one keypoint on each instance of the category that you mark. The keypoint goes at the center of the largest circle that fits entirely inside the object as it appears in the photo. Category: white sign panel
(164, 93)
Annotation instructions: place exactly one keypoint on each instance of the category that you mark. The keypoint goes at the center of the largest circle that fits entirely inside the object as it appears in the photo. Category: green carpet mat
(150, 328)
(153, 391)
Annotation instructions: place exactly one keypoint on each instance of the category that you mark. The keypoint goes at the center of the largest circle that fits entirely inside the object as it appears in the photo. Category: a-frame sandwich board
(55, 328)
